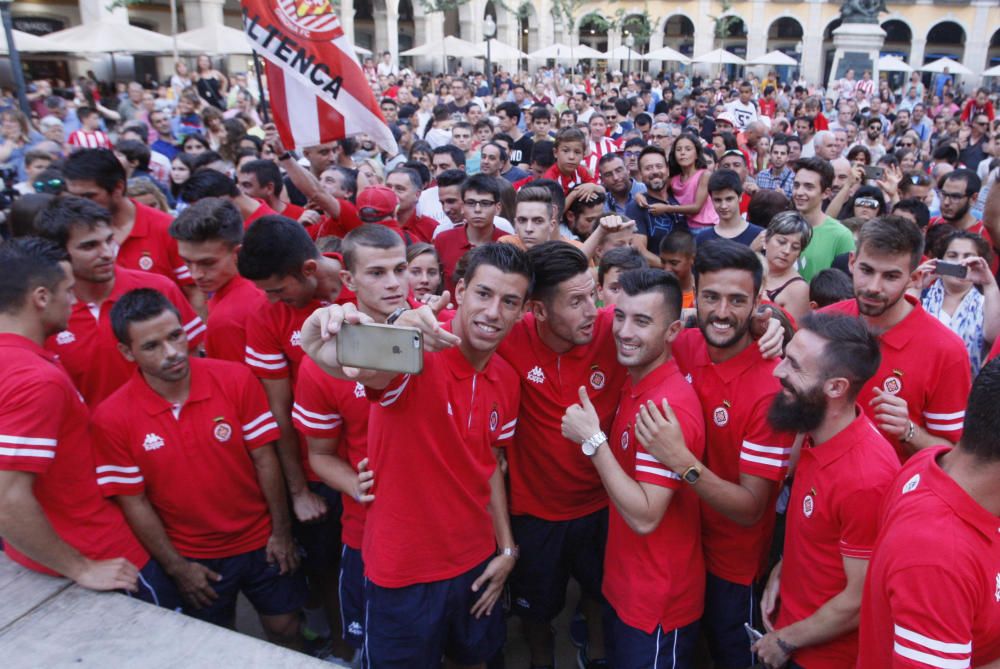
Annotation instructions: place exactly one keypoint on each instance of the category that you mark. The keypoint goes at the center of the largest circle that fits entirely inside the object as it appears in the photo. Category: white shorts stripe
(944, 416)
(930, 660)
(27, 453)
(27, 441)
(264, 356)
(104, 480)
(103, 469)
(764, 461)
(261, 430)
(932, 644)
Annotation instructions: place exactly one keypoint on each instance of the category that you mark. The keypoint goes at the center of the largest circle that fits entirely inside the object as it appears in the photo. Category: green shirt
(829, 239)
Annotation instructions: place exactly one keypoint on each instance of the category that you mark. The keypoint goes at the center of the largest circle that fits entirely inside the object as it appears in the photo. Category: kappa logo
(359, 390)
(536, 375)
(997, 593)
(65, 337)
(152, 442)
(354, 628)
(912, 484)
(296, 338)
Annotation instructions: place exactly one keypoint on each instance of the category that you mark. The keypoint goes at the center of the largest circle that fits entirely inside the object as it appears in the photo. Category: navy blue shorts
(352, 596)
(157, 588)
(728, 606)
(551, 552)
(270, 592)
(663, 649)
(414, 626)
(321, 541)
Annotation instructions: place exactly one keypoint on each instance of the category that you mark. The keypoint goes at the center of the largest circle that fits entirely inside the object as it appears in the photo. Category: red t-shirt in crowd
(832, 514)
(193, 463)
(337, 227)
(419, 228)
(44, 430)
(657, 578)
(330, 408)
(263, 210)
(931, 594)
(735, 396)
(229, 311)
(581, 176)
(430, 441)
(927, 365)
(89, 349)
(451, 245)
(292, 211)
(150, 248)
(548, 478)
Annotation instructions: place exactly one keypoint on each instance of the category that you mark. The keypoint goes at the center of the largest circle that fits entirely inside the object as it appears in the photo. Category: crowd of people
(717, 350)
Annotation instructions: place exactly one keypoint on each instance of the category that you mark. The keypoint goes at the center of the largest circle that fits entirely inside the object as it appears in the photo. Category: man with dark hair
(509, 116)
(481, 203)
(813, 179)
(86, 347)
(654, 568)
(447, 157)
(619, 185)
(437, 544)
(843, 473)
(931, 602)
(914, 210)
(746, 459)
(778, 175)
(725, 189)
(959, 190)
(332, 413)
(917, 397)
(407, 185)
(261, 181)
(613, 263)
(217, 523)
(651, 228)
(209, 233)
(210, 183)
(53, 518)
(496, 162)
(279, 257)
(140, 231)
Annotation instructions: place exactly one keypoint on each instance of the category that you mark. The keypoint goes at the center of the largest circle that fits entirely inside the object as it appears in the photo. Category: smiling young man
(437, 543)
(813, 179)
(654, 569)
(651, 229)
(87, 348)
(725, 190)
(209, 234)
(917, 396)
(186, 450)
(813, 596)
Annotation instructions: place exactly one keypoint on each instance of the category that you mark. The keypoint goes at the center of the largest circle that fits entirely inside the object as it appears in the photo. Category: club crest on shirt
(997, 593)
(152, 442)
(536, 375)
(146, 262)
(65, 337)
(296, 338)
(222, 431)
(597, 378)
(721, 415)
(911, 484)
(494, 419)
(808, 506)
(359, 390)
(892, 384)
(625, 440)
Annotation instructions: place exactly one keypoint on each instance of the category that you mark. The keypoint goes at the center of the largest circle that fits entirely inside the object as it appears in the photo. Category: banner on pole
(316, 88)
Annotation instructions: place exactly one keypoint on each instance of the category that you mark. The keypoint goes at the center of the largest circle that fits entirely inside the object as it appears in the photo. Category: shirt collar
(653, 379)
(154, 404)
(12, 340)
(855, 435)
(964, 506)
(733, 368)
(900, 334)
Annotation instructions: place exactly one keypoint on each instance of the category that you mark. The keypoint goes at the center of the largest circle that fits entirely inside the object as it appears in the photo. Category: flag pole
(260, 88)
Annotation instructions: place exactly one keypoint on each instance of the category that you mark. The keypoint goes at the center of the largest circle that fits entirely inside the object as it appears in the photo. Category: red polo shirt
(337, 227)
(658, 578)
(150, 248)
(430, 441)
(292, 211)
(44, 431)
(451, 245)
(263, 210)
(193, 463)
(330, 408)
(926, 364)
(548, 478)
(832, 514)
(419, 228)
(229, 311)
(88, 348)
(581, 176)
(735, 396)
(274, 348)
(931, 596)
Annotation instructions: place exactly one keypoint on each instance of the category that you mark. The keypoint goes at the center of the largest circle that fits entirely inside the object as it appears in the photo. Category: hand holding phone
(387, 348)
(874, 172)
(950, 269)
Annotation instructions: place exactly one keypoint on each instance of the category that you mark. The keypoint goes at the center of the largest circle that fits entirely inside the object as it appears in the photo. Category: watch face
(692, 475)
(589, 448)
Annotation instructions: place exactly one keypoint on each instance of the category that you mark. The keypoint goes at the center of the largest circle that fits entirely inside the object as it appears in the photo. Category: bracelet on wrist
(786, 648)
(911, 430)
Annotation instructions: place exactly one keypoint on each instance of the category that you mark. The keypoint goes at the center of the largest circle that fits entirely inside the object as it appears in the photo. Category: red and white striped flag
(316, 88)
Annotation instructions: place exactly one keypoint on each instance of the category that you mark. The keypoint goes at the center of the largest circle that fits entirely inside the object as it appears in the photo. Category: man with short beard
(746, 459)
(959, 191)
(652, 228)
(917, 397)
(620, 187)
(842, 475)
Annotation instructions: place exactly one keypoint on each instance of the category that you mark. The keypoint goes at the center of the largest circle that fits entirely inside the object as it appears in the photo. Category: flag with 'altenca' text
(317, 91)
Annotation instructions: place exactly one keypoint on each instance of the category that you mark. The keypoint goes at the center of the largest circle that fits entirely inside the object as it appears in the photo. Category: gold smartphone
(386, 348)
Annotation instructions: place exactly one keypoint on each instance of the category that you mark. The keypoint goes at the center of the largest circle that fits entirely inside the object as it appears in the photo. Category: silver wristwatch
(591, 444)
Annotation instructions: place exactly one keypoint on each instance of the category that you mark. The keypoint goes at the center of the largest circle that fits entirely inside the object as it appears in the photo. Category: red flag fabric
(316, 88)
